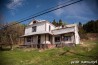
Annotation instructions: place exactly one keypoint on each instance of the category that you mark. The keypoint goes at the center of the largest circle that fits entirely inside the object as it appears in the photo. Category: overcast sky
(14, 10)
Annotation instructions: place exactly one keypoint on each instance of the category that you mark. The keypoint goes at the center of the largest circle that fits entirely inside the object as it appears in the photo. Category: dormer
(33, 22)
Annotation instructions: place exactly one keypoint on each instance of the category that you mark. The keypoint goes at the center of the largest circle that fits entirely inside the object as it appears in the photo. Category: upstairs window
(49, 28)
(34, 29)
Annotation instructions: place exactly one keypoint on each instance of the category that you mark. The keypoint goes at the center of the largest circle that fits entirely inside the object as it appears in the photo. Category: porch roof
(36, 33)
(62, 31)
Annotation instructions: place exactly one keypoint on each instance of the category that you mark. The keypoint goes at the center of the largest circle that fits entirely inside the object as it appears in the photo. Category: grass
(57, 56)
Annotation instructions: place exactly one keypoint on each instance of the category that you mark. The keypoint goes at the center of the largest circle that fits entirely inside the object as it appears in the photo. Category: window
(57, 39)
(28, 39)
(34, 29)
(34, 21)
(49, 27)
(67, 38)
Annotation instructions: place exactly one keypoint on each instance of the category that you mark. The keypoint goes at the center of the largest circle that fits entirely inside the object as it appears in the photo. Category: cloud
(77, 17)
(14, 4)
(81, 10)
(73, 9)
(59, 11)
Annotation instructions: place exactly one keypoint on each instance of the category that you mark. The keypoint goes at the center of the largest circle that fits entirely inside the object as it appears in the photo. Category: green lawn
(58, 56)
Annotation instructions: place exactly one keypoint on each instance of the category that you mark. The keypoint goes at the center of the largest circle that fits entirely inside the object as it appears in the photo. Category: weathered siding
(43, 39)
(39, 27)
(34, 39)
(47, 27)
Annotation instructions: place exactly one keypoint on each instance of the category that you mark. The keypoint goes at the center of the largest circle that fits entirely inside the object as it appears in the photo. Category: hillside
(88, 51)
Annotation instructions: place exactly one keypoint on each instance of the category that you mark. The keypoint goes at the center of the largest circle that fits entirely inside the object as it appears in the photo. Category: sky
(15, 10)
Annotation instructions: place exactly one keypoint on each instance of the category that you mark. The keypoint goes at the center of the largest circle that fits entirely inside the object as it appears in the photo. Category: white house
(40, 33)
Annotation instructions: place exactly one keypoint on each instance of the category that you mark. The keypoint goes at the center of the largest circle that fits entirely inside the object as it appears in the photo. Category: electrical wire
(43, 12)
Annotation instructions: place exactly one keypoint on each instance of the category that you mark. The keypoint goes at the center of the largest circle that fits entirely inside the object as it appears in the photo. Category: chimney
(63, 26)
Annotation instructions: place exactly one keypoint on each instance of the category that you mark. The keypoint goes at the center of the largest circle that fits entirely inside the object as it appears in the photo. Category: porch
(40, 41)
(65, 39)
(43, 41)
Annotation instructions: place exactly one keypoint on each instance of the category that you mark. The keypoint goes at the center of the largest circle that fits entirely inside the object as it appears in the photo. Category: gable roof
(39, 21)
(32, 22)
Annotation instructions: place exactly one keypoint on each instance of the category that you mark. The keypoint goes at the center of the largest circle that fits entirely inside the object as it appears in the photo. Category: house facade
(41, 33)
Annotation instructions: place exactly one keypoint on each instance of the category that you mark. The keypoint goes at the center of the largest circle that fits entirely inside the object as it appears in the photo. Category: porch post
(19, 40)
(45, 40)
(74, 39)
(53, 39)
(24, 41)
(61, 40)
(45, 34)
(31, 42)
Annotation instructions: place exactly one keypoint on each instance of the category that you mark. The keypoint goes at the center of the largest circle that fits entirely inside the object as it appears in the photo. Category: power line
(47, 9)
(43, 13)
(40, 12)
(52, 7)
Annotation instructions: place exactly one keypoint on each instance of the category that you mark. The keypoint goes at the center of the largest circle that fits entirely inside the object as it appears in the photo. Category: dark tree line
(91, 26)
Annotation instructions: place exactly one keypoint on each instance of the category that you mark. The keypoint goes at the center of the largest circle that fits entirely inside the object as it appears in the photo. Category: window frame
(67, 38)
(49, 28)
(34, 28)
(28, 39)
(57, 39)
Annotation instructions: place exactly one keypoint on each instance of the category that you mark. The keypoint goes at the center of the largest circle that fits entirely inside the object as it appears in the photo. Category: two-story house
(40, 33)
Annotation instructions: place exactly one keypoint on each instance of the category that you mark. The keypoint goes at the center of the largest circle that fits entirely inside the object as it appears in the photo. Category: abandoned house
(41, 33)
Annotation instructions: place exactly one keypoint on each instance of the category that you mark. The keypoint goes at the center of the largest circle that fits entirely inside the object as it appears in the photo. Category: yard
(57, 56)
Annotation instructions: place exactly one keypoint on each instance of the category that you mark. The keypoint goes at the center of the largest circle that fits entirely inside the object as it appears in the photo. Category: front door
(39, 40)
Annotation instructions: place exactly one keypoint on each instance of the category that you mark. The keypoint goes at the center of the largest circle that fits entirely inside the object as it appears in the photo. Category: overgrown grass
(56, 56)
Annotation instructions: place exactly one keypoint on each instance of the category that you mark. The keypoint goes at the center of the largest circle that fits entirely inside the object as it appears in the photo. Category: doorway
(39, 41)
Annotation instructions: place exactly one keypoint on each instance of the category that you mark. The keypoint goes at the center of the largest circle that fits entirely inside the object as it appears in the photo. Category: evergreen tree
(80, 24)
(80, 27)
(54, 22)
(60, 22)
(91, 26)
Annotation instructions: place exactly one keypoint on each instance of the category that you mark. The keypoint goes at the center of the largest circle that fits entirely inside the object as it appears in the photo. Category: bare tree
(10, 35)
